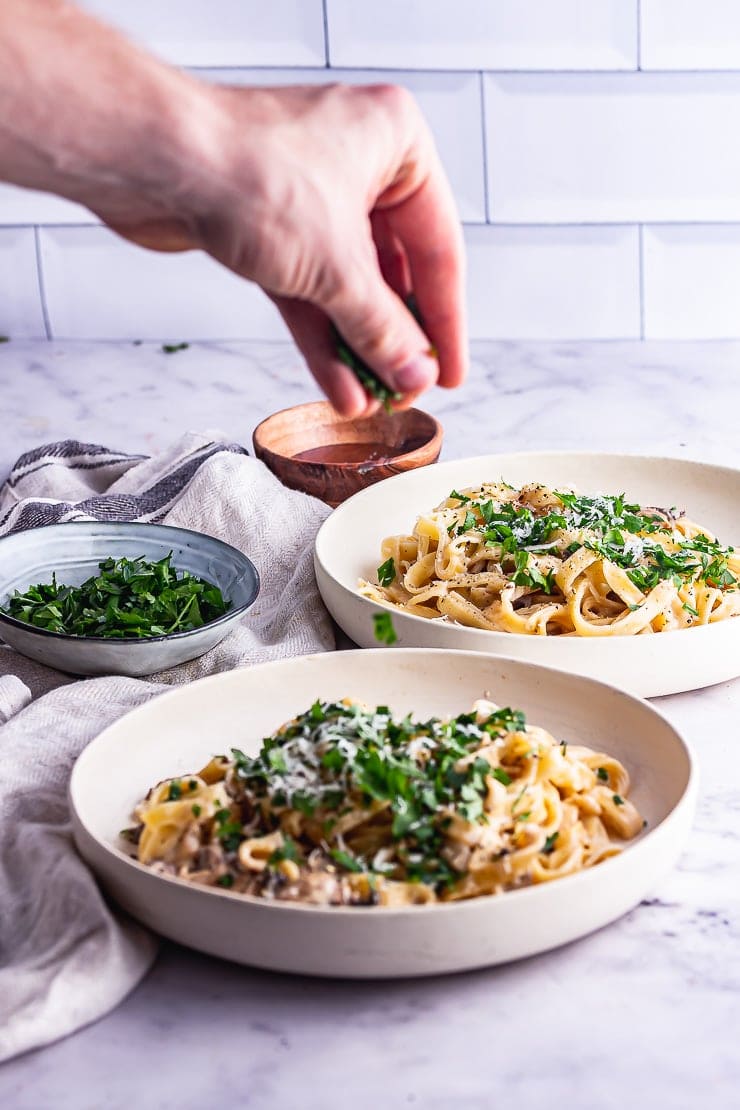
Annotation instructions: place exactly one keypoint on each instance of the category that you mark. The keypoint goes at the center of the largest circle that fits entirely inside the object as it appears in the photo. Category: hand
(333, 200)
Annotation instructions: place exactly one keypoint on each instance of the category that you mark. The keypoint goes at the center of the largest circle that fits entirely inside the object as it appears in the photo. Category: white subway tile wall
(98, 286)
(577, 282)
(222, 32)
(21, 311)
(692, 282)
(27, 206)
(690, 34)
(483, 34)
(590, 145)
(620, 148)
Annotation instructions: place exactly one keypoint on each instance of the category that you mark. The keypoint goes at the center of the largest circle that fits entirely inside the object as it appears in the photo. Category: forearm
(87, 115)
(331, 198)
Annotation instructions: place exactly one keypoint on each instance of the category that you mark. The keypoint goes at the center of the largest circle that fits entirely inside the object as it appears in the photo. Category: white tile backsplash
(613, 147)
(222, 32)
(21, 315)
(100, 287)
(523, 283)
(483, 34)
(27, 206)
(692, 282)
(690, 34)
(562, 143)
(553, 282)
(451, 103)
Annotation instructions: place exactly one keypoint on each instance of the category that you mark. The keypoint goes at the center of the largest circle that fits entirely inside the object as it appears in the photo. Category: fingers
(427, 227)
(312, 333)
(374, 321)
(394, 265)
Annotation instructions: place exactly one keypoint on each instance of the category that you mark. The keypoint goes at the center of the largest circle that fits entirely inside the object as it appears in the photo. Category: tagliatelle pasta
(347, 805)
(540, 561)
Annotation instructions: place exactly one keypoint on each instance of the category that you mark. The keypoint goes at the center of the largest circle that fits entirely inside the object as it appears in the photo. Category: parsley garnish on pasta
(542, 561)
(351, 805)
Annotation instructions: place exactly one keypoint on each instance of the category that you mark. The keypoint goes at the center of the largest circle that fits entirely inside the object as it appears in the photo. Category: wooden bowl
(313, 449)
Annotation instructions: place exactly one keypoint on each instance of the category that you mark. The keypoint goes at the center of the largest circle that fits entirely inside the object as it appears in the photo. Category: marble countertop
(645, 1013)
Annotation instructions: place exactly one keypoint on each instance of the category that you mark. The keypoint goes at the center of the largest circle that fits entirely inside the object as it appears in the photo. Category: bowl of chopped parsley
(95, 597)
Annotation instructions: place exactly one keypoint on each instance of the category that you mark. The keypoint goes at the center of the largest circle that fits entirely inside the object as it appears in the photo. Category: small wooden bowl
(313, 449)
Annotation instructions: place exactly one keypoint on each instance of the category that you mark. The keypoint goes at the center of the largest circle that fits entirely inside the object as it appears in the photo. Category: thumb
(379, 328)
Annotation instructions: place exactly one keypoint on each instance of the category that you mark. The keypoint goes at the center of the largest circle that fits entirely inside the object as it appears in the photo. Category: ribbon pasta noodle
(347, 805)
(539, 561)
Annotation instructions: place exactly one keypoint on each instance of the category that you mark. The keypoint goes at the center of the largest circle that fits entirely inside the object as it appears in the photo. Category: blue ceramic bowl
(74, 551)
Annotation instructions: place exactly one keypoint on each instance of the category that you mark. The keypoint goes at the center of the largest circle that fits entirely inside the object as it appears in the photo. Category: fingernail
(420, 373)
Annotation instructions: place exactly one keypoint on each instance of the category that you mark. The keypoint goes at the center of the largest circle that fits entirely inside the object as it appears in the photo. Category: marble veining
(645, 1013)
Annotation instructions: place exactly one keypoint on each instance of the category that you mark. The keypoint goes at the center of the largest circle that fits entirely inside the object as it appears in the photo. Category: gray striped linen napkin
(66, 957)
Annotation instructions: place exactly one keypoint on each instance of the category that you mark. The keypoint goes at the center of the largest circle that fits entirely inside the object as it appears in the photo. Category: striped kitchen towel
(66, 958)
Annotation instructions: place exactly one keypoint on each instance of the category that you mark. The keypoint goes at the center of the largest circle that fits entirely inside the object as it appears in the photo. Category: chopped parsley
(288, 850)
(367, 377)
(602, 774)
(384, 631)
(346, 860)
(173, 348)
(617, 800)
(175, 791)
(527, 573)
(128, 599)
(387, 572)
(229, 830)
(421, 770)
(225, 880)
(549, 845)
(626, 534)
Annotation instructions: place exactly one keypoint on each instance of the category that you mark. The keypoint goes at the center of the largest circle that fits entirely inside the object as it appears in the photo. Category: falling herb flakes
(385, 633)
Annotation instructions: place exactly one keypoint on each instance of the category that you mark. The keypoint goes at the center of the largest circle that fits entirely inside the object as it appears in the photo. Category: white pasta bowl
(179, 731)
(348, 549)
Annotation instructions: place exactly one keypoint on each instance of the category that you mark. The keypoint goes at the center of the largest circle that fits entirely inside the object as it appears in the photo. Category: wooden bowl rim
(426, 450)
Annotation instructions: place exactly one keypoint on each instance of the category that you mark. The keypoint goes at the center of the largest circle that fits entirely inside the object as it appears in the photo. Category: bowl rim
(490, 635)
(365, 466)
(664, 828)
(71, 638)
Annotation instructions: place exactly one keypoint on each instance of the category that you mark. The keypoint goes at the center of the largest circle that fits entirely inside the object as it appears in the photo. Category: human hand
(333, 200)
(330, 197)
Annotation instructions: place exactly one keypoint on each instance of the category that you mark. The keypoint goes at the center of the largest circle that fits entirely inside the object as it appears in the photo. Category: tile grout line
(325, 14)
(42, 287)
(484, 137)
(600, 224)
(623, 71)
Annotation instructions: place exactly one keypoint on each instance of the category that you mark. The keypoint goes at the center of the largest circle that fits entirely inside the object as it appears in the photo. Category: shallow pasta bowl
(348, 548)
(181, 730)
(74, 551)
